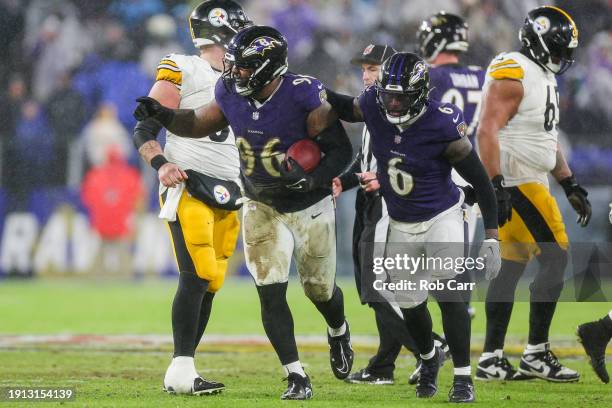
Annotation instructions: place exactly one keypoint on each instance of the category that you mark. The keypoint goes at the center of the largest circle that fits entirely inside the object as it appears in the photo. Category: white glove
(489, 251)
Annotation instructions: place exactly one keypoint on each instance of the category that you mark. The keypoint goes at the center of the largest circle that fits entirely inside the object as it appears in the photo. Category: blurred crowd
(72, 69)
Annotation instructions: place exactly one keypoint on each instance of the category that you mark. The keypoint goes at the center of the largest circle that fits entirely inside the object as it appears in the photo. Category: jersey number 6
(401, 181)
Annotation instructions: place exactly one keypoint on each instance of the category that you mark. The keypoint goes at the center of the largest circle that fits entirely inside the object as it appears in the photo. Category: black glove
(294, 176)
(150, 108)
(470, 194)
(577, 196)
(504, 200)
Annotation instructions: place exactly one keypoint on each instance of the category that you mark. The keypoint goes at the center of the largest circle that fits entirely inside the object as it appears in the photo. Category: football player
(204, 235)
(416, 142)
(371, 225)
(517, 137)
(289, 212)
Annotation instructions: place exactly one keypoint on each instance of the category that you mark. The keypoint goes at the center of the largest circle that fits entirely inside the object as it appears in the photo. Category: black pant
(392, 330)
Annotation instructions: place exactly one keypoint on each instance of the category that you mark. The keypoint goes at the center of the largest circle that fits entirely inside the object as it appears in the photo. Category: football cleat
(462, 389)
(363, 376)
(594, 338)
(341, 354)
(200, 386)
(438, 342)
(427, 385)
(498, 369)
(298, 388)
(546, 365)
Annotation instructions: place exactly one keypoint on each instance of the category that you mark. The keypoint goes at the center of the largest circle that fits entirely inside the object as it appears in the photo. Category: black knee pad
(549, 280)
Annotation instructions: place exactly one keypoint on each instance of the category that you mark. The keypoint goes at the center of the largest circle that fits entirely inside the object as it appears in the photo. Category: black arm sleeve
(335, 143)
(145, 131)
(348, 178)
(343, 105)
(472, 170)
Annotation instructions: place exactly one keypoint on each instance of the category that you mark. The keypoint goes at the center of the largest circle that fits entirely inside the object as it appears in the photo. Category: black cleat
(462, 390)
(363, 376)
(201, 386)
(298, 388)
(594, 338)
(546, 365)
(498, 369)
(341, 354)
(427, 386)
(438, 342)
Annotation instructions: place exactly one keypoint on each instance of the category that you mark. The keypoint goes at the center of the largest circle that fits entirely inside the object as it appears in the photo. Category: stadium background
(70, 73)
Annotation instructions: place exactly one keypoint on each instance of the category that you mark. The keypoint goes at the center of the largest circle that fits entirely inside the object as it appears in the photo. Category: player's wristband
(158, 161)
(569, 184)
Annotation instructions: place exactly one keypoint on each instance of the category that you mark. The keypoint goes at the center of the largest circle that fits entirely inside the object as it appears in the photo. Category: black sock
(540, 318)
(418, 322)
(457, 325)
(277, 321)
(333, 309)
(499, 303)
(607, 323)
(389, 347)
(204, 316)
(186, 312)
(392, 323)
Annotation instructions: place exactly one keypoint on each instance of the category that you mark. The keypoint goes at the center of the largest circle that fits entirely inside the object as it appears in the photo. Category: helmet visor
(398, 104)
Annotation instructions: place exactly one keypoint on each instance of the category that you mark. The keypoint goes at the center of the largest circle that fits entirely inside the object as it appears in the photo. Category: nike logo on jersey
(315, 215)
(456, 119)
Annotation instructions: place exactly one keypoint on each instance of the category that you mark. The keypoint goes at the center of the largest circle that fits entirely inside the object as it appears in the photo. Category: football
(307, 153)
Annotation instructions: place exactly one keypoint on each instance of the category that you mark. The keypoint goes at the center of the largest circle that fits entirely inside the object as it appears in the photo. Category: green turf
(119, 379)
(111, 307)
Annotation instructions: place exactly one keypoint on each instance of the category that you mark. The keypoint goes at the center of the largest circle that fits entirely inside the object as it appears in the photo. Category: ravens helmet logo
(260, 45)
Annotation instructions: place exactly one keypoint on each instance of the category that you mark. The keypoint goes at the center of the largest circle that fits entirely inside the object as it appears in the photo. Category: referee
(371, 225)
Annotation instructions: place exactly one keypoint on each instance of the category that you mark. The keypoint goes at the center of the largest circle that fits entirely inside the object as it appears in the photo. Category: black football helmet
(402, 87)
(261, 49)
(442, 32)
(216, 22)
(550, 37)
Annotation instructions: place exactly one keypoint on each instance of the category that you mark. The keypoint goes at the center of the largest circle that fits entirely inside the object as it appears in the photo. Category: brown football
(306, 152)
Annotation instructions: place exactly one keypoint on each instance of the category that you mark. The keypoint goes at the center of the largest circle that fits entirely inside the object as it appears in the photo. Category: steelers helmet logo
(217, 17)
(541, 25)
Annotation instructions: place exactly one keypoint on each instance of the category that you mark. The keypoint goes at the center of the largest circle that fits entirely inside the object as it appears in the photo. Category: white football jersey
(195, 79)
(528, 142)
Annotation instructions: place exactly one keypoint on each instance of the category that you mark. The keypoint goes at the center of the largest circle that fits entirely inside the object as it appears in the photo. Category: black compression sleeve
(145, 131)
(472, 170)
(343, 105)
(348, 178)
(334, 142)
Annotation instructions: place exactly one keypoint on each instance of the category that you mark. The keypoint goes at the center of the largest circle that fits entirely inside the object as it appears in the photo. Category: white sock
(337, 332)
(295, 367)
(535, 348)
(610, 314)
(180, 375)
(462, 370)
(499, 353)
(429, 355)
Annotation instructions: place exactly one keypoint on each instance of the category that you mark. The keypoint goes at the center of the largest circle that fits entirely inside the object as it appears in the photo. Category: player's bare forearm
(149, 150)
(320, 119)
(561, 170)
(501, 101)
(198, 123)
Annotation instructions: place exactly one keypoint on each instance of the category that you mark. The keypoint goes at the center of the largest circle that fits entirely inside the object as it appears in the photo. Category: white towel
(173, 196)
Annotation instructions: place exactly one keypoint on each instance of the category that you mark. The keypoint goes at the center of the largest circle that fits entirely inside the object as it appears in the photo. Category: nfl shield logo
(255, 115)
(398, 139)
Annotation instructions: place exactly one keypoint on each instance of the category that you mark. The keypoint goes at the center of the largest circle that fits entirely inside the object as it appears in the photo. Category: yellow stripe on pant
(535, 218)
(203, 238)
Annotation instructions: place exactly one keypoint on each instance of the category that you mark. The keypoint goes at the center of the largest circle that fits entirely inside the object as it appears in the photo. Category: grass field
(128, 375)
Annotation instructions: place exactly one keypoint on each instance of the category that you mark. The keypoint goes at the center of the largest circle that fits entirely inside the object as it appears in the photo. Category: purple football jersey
(461, 86)
(414, 175)
(265, 131)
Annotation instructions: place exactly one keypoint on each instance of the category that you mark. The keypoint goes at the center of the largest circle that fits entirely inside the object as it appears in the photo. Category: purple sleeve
(309, 92)
(220, 93)
(365, 99)
(457, 128)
